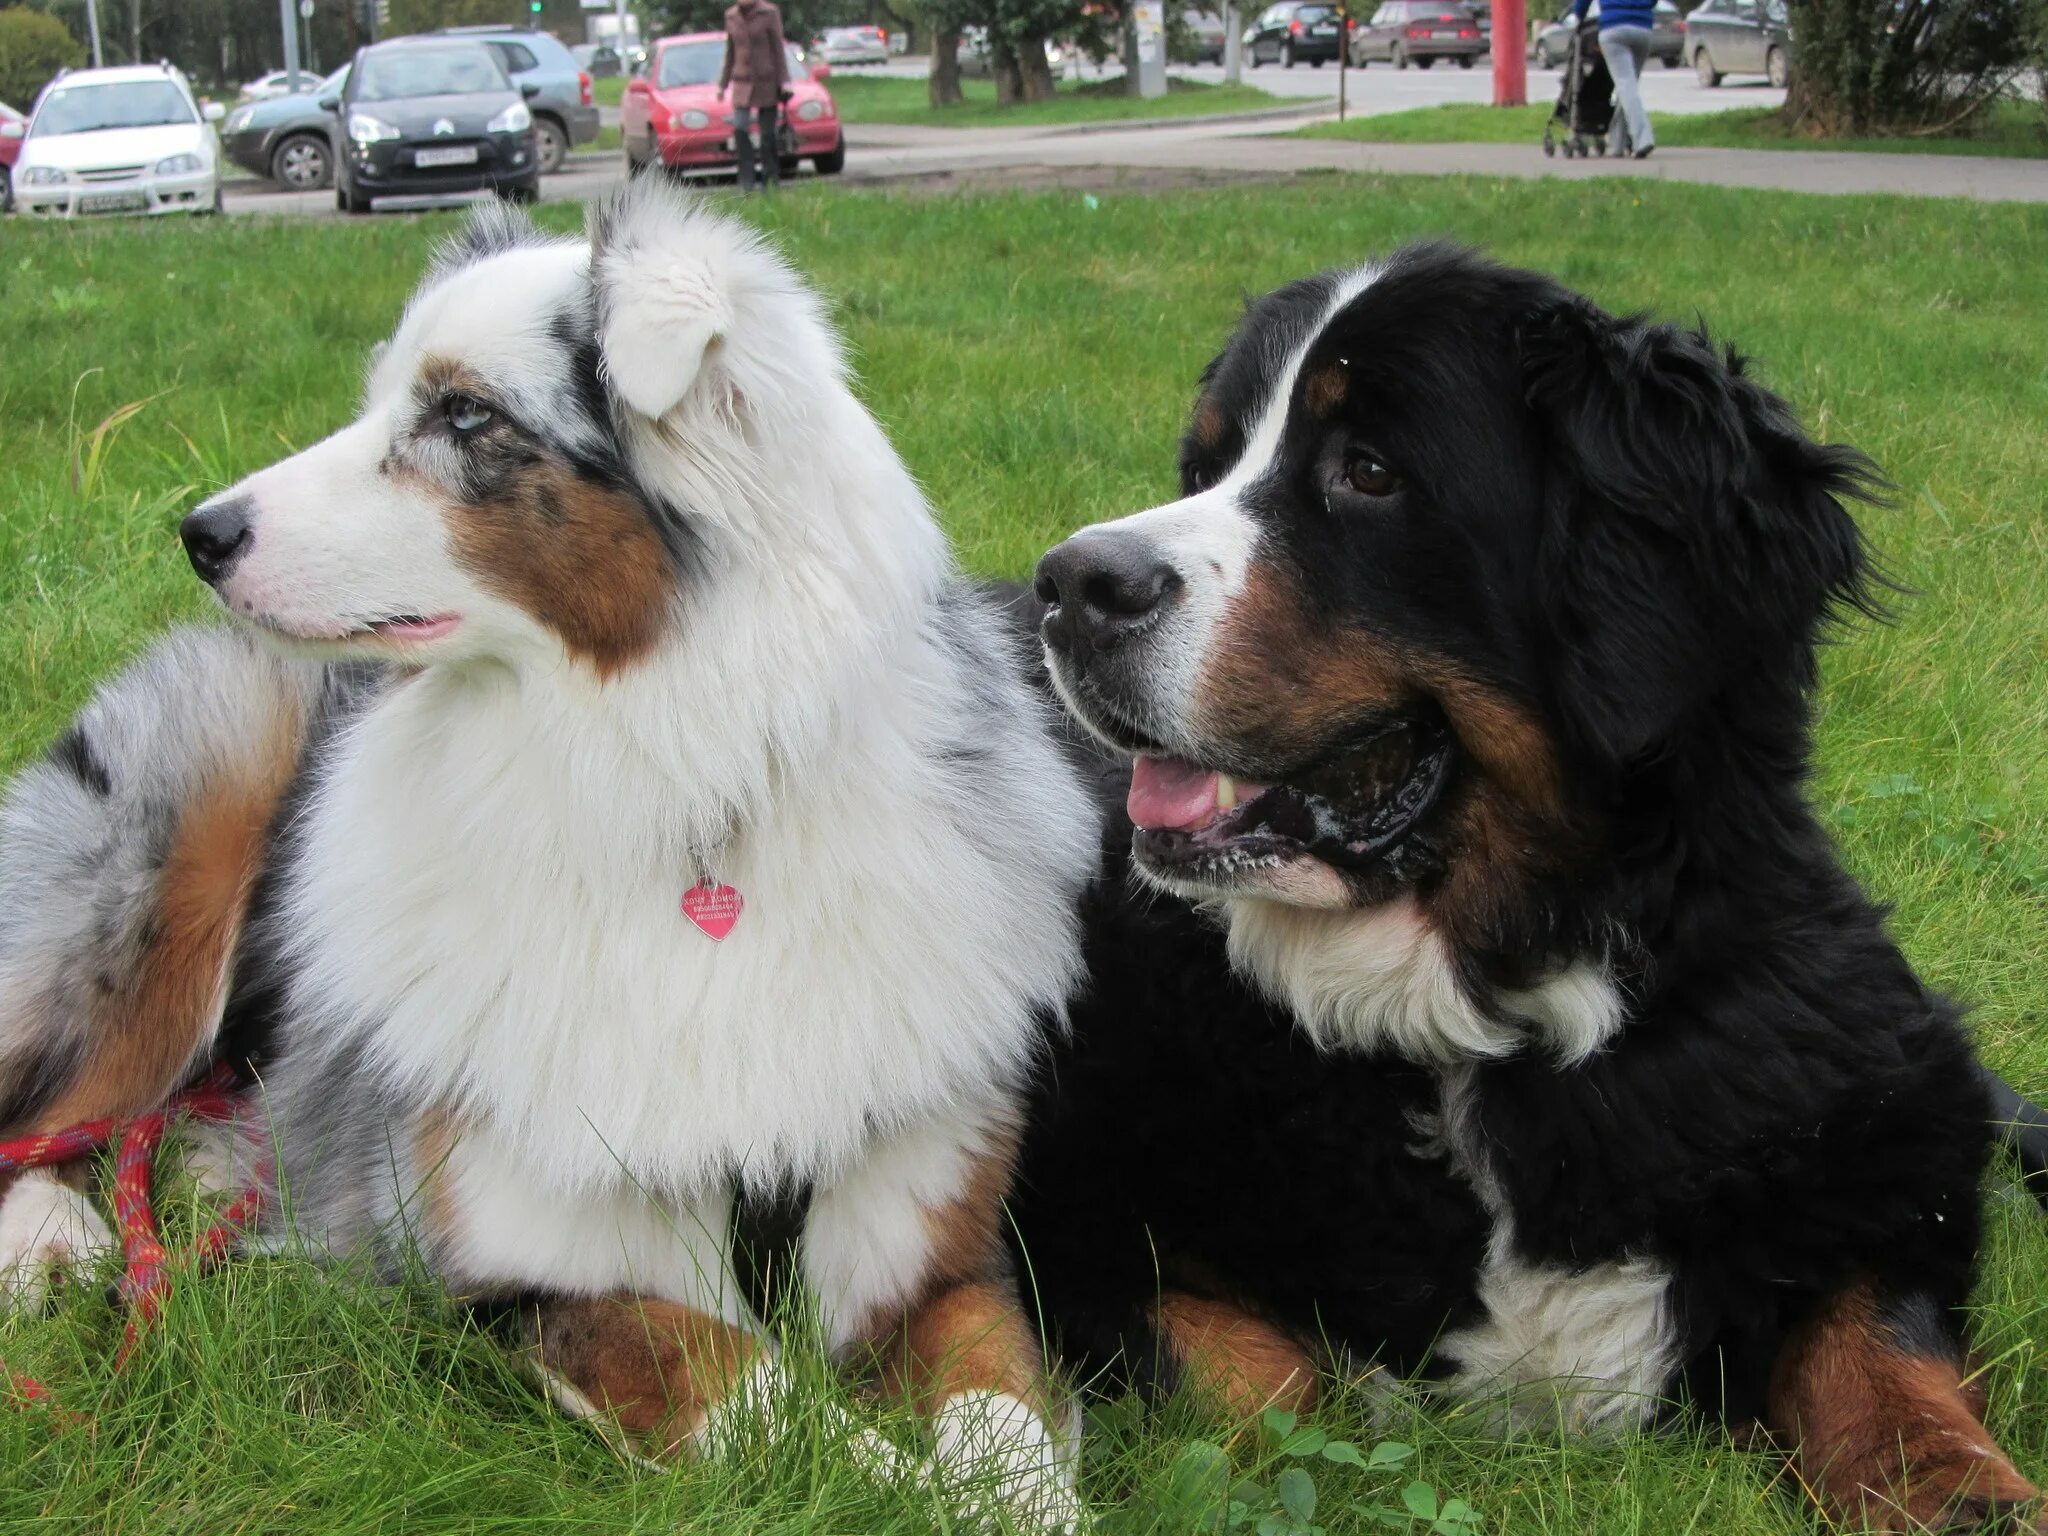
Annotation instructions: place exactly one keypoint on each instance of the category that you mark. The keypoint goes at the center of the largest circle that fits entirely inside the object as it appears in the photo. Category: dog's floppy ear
(1695, 537)
(662, 268)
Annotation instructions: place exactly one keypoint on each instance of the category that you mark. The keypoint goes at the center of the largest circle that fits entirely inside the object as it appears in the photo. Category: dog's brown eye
(466, 413)
(1369, 476)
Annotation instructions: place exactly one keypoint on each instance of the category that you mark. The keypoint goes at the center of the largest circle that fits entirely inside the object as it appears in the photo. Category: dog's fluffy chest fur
(488, 903)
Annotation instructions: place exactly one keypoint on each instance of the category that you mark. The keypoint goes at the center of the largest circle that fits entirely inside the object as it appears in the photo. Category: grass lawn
(609, 92)
(886, 99)
(2014, 129)
(1033, 357)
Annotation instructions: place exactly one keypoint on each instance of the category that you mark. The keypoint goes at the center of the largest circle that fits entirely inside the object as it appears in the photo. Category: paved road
(1188, 152)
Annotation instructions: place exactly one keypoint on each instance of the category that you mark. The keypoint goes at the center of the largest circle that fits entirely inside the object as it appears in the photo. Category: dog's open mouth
(1353, 810)
(411, 626)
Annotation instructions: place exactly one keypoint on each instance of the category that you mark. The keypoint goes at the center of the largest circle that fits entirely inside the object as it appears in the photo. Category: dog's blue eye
(466, 413)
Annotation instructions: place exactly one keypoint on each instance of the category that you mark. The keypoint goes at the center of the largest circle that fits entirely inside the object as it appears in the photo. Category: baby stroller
(1585, 102)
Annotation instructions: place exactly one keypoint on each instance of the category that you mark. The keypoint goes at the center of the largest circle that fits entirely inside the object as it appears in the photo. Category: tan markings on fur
(658, 1367)
(1325, 390)
(1275, 678)
(146, 1034)
(1881, 1435)
(434, 1136)
(1233, 1360)
(1208, 423)
(970, 1337)
(580, 557)
(966, 1233)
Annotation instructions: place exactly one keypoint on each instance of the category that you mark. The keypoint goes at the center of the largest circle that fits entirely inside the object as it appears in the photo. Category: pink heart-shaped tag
(713, 908)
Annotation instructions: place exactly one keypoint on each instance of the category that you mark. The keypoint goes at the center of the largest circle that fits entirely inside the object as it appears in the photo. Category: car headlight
(365, 129)
(43, 176)
(514, 119)
(238, 119)
(179, 165)
(810, 111)
(695, 119)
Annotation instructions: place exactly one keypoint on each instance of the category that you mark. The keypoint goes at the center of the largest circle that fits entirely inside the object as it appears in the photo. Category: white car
(279, 83)
(853, 45)
(129, 140)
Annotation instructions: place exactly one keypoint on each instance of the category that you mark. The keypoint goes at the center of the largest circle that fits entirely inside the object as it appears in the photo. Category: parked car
(564, 111)
(975, 60)
(432, 116)
(1740, 37)
(1205, 29)
(13, 129)
(126, 140)
(1419, 32)
(598, 60)
(289, 139)
(673, 112)
(851, 45)
(279, 83)
(1667, 36)
(1304, 30)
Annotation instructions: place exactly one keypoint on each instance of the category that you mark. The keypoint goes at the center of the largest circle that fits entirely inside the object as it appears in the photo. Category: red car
(13, 129)
(673, 112)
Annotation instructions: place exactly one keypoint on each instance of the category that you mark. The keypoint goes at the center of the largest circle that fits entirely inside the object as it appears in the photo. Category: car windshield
(91, 108)
(1311, 12)
(406, 72)
(699, 64)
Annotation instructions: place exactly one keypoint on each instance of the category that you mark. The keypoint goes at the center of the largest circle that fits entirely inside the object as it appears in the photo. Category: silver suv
(563, 113)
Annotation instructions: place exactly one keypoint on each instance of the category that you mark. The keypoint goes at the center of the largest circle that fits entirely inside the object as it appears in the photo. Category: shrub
(1902, 66)
(33, 47)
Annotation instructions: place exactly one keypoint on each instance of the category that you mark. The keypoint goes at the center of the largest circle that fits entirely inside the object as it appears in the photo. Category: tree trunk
(1003, 65)
(945, 80)
(1034, 74)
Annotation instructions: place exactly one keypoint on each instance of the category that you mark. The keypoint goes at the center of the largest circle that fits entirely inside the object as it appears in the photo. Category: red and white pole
(1510, 53)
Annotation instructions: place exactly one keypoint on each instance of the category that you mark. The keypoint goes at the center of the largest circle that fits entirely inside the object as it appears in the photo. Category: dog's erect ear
(1695, 537)
(662, 266)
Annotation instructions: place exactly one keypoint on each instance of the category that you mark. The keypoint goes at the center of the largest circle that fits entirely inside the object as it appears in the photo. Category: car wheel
(302, 163)
(347, 201)
(1703, 66)
(1776, 70)
(835, 162)
(1464, 61)
(1400, 57)
(551, 144)
(1287, 55)
(1543, 58)
(1315, 63)
(520, 192)
(1672, 61)
(1424, 63)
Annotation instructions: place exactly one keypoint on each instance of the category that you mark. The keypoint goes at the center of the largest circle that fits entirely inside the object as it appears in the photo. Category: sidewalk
(1249, 149)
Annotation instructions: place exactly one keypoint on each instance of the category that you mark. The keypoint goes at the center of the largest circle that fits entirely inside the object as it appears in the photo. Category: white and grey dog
(636, 842)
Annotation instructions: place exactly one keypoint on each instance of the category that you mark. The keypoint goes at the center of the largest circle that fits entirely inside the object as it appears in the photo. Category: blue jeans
(1627, 50)
(743, 146)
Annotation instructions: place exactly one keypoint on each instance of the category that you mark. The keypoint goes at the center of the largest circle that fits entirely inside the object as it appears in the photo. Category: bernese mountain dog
(1470, 687)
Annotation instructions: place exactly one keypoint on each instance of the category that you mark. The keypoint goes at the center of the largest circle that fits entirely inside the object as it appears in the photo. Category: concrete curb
(1311, 106)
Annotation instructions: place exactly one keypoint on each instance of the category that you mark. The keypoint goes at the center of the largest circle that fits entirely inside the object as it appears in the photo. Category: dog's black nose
(216, 535)
(1101, 584)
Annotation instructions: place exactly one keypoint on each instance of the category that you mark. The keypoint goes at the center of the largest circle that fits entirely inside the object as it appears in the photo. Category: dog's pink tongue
(1167, 793)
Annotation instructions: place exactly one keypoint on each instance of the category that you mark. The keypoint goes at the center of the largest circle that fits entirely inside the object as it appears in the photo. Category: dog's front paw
(47, 1229)
(999, 1458)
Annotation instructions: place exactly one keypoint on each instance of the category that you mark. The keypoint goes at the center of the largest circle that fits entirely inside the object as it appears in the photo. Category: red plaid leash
(146, 1280)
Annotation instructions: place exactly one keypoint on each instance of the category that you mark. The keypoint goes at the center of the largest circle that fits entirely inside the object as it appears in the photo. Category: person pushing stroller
(1625, 45)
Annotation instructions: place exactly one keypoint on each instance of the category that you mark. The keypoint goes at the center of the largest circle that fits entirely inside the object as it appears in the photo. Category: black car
(289, 139)
(1740, 37)
(1419, 32)
(430, 117)
(1294, 29)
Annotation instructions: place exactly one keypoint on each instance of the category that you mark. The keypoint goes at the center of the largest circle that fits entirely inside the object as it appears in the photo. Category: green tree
(33, 47)
(1902, 66)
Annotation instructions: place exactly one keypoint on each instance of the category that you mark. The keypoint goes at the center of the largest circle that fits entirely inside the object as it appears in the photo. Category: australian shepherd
(635, 852)
(1469, 684)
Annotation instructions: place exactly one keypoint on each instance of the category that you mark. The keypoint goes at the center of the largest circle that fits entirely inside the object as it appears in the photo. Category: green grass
(2013, 129)
(886, 99)
(1032, 357)
(609, 92)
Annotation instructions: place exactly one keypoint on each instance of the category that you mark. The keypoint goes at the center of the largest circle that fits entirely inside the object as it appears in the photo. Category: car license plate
(113, 202)
(463, 154)
(1326, 29)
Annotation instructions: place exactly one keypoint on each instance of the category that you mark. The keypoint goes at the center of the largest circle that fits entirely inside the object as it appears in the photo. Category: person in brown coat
(757, 73)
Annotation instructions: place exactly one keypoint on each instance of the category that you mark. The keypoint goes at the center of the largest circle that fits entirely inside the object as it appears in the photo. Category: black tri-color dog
(1470, 687)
